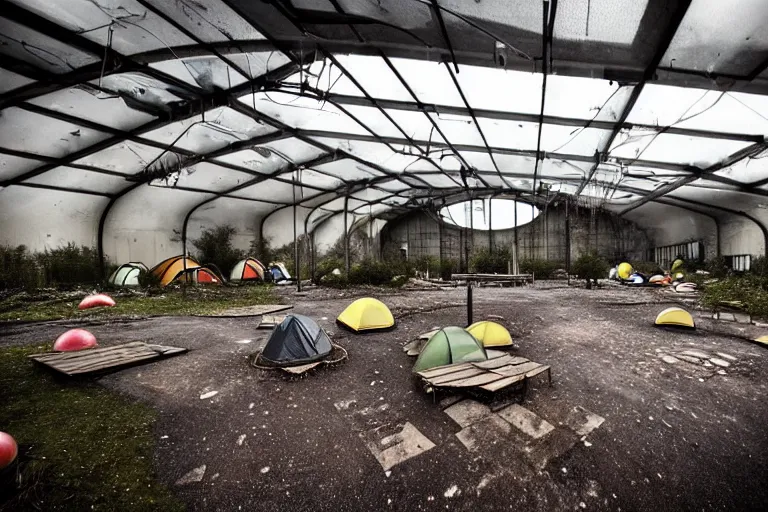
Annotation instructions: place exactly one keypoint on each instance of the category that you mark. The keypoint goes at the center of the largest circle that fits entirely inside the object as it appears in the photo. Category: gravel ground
(676, 435)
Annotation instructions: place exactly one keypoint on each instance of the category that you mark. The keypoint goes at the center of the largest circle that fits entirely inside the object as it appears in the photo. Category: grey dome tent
(297, 340)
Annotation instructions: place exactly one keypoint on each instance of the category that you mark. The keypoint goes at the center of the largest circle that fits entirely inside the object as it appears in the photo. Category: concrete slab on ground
(526, 421)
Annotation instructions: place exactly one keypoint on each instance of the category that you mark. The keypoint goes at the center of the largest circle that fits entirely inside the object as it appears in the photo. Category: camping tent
(366, 314)
(490, 334)
(624, 270)
(279, 272)
(297, 340)
(198, 275)
(447, 346)
(127, 274)
(249, 269)
(676, 317)
(169, 269)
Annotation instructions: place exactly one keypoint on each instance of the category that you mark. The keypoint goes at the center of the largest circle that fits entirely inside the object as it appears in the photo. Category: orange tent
(249, 269)
(198, 275)
(169, 269)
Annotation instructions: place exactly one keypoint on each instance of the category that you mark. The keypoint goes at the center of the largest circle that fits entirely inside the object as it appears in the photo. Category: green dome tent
(447, 346)
(297, 340)
(127, 274)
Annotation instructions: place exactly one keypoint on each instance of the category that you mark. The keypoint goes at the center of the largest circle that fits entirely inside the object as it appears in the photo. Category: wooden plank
(106, 358)
(477, 380)
(502, 383)
(536, 372)
(257, 310)
(519, 369)
(77, 354)
(498, 362)
(298, 370)
(470, 372)
(442, 370)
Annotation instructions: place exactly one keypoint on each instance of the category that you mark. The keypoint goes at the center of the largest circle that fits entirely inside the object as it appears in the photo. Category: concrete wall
(544, 238)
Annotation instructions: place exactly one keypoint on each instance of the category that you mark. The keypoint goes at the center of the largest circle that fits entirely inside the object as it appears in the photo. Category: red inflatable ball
(96, 301)
(74, 339)
(8, 450)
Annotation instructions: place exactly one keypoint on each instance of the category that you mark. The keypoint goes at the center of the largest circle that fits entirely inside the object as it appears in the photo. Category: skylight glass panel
(140, 88)
(12, 166)
(209, 20)
(206, 176)
(10, 80)
(698, 109)
(748, 170)
(349, 170)
(134, 28)
(681, 149)
(78, 178)
(95, 106)
(41, 51)
(126, 157)
(720, 37)
(26, 131)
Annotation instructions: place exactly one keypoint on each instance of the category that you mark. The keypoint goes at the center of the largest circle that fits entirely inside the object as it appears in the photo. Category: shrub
(19, 269)
(758, 266)
(750, 290)
(590, 266)
(541, 269)
(215, 246)
(485, 261)
(326, 266)
(447, 268)
(648, 268)
(429, 264)
(372, 272)
(70, 265)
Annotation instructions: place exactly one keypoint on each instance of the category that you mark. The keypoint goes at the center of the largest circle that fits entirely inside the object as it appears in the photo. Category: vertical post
(296, 259)
(469, 302)
(516, 251)
(440, 242)
(346, 236)
(490, 225)
(717, 235)
(184, 260)
(567, 239)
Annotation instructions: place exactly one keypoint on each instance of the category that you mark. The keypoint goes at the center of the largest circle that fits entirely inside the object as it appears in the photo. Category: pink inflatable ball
(96, 301)
(8, 450)
(74, 339)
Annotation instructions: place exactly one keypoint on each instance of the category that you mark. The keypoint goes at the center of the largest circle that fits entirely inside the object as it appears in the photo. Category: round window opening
(485, 214)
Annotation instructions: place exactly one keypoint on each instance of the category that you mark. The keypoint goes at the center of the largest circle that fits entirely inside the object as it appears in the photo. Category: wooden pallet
(492, 375)
(258, 310)
(271, 321)
(99, 360)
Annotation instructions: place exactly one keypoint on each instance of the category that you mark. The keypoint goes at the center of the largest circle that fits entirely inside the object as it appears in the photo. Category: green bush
(648, 268)
(377, 273)
(326, 266)
(758, 266)
(541, 269)
(429, 264)
(447, 268)
(750, 290)
(591, 267)
(19, 269)
(485, 261)
(70, 265)
(215, 246)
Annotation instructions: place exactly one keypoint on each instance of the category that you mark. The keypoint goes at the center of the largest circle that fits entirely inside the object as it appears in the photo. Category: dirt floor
(676, 435)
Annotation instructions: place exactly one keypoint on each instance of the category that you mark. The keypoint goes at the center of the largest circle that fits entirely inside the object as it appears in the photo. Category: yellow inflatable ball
(625, 270)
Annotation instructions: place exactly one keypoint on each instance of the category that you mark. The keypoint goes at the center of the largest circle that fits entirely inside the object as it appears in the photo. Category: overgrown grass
(82, 446)
(53, 305)
(750, 290)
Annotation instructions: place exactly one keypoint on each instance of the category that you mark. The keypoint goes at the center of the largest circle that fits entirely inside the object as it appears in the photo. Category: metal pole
(469, 303)
(517, 247)
(567, 239)
(490, 225)
(296, 259)
(440, 242)
(346, 236)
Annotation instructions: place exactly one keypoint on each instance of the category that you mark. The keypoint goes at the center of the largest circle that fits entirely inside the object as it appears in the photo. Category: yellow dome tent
(676, 317)
(763, 340)
(625, 270)
(490, 334)
(366, 314)
(169, 269)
